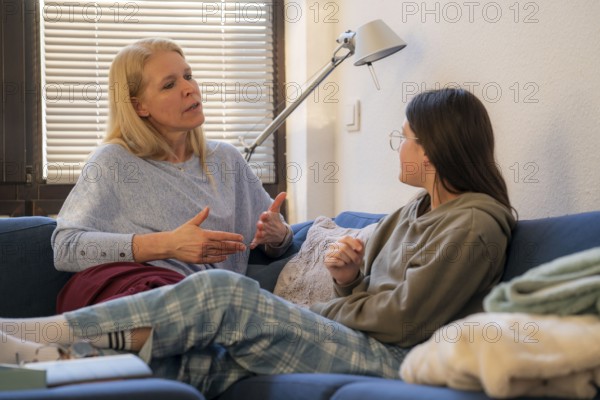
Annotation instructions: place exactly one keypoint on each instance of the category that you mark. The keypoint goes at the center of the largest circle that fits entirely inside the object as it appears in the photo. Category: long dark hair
(456, 133)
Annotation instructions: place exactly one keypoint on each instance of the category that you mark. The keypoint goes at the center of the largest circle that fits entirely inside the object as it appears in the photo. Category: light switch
(352, 116)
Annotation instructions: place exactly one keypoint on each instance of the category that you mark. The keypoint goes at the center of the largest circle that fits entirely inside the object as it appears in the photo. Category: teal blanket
(565, 286)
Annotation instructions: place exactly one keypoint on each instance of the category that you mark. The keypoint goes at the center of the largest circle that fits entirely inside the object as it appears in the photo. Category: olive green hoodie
(422, 271)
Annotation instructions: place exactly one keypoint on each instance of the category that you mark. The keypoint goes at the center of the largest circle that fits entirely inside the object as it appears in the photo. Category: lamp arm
(280, 119)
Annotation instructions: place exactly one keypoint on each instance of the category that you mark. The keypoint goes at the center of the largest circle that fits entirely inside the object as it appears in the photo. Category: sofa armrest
(29, 283)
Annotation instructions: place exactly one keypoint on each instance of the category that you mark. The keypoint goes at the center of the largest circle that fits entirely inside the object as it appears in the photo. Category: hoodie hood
(480, 206)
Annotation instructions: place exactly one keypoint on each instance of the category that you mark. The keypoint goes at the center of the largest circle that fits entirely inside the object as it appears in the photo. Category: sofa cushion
(346, 219)
(343, 387)
(340, 387)
(535, 242)
(385, 389)
(305, 280)
(29, 283)
(291, 386)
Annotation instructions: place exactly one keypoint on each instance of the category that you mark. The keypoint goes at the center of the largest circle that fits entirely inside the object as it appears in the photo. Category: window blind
(228, 44)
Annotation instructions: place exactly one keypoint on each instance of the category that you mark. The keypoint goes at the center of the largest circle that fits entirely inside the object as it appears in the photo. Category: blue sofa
(29, 284)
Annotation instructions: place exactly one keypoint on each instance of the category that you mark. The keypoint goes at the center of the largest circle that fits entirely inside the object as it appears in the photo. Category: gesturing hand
(270, 228)
(190, 243)
(344, 258)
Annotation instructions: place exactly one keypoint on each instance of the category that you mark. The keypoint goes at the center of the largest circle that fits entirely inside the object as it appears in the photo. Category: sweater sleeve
(442, 275)
(83, 237)
(76, 249)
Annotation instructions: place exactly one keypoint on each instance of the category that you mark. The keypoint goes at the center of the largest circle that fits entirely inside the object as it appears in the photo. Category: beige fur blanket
(511, 354)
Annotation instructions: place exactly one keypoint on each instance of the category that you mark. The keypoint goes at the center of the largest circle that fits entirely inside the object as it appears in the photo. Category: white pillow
(305, 280)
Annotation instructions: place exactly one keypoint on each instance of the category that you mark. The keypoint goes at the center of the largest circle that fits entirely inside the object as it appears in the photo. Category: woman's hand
(192, 244)
(270, 228)
(344, 258)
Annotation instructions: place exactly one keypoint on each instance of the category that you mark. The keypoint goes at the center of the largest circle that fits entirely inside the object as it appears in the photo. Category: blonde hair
(125, 127)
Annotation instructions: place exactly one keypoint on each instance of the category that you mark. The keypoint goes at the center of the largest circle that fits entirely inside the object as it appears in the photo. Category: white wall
(540, 81)
(311, 127)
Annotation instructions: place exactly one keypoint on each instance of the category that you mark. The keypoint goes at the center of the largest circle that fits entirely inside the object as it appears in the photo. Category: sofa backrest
(538, 241)
(29, 283)
(533, 242)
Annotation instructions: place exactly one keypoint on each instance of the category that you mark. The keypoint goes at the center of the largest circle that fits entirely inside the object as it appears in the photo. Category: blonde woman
(157, 202)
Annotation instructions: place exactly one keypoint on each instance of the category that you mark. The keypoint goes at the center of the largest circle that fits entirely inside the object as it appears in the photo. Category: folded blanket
(511, 354)
(566, 286)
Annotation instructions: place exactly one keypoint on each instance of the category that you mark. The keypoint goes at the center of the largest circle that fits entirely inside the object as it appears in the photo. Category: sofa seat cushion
(342, 387)
(385, 389)
(291, 386)
(129, 389)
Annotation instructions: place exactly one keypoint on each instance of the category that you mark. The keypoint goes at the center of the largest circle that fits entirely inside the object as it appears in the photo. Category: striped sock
(119, 340)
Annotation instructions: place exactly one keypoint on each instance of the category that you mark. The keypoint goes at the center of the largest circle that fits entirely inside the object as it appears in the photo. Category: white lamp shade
(375, 40)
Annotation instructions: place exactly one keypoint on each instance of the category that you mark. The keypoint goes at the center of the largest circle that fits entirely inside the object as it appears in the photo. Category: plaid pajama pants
(216, 327)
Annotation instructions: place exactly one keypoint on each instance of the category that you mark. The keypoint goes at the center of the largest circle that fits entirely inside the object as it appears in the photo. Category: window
(229, 45)
(234, 48)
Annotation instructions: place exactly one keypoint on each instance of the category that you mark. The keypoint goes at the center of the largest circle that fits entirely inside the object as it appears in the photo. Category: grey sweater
(421, 272)
(119, 195)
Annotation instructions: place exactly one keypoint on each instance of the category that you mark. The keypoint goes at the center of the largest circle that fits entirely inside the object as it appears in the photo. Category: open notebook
(56, 373)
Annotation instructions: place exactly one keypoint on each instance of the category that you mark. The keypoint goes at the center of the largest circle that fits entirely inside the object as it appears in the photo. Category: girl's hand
(344, 258)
